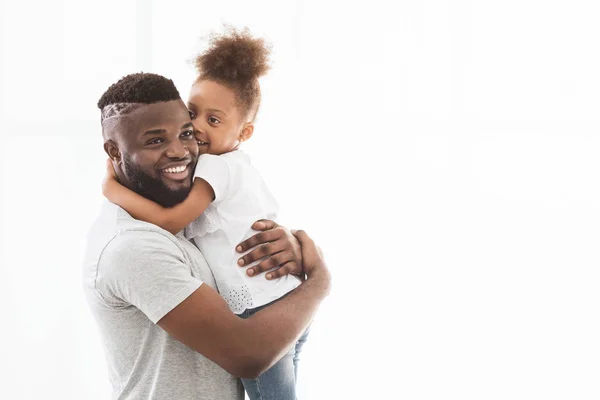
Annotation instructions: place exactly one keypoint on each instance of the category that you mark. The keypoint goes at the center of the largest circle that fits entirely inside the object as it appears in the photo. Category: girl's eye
(213, 120)
(192, 115)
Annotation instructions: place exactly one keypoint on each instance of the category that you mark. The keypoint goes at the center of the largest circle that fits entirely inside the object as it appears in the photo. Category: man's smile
(176, 171)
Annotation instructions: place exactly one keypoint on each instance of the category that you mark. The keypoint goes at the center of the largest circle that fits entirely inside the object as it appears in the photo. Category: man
(167, 334)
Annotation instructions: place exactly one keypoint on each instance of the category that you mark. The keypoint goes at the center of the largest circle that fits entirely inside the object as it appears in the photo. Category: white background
(443, 153)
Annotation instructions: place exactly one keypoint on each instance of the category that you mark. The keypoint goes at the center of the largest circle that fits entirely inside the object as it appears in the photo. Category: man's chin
(175, 197)
(168, 196)
(177, 185)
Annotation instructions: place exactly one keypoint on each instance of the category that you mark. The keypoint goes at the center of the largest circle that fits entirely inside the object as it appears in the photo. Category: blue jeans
(279, 381)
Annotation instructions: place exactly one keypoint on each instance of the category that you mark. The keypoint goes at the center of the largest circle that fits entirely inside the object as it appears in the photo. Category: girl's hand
(110, 179)
(278, 249)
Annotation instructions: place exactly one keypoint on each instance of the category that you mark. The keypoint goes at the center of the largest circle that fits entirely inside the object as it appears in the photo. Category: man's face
(159, 151)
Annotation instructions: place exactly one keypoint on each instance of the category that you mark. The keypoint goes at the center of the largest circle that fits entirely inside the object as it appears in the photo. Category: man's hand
(312, 259)
(110, 179)
(276, 246)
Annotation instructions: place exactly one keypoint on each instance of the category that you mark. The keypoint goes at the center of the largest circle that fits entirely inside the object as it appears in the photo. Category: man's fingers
(290, 268)
(260, 238)
(271, 262)
(260, 252)
(285, 269)
(303, 238)
(309, 249)
(264, 224)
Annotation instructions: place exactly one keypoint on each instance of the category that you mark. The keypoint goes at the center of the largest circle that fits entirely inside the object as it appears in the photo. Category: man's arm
(248, 347)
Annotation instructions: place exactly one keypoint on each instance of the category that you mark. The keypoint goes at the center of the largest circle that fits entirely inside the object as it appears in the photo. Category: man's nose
(177, 150)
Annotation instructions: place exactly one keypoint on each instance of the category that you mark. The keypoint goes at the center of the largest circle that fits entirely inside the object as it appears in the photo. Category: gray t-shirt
(134, 274)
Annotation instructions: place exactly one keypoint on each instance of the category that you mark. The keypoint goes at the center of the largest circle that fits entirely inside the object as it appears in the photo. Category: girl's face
(219, 127)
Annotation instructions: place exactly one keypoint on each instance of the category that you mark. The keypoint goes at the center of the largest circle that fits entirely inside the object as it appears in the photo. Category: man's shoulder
(113, 218)
(119, 247)
(115, 231)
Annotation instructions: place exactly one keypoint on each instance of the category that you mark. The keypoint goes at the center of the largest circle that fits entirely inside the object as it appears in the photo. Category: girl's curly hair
(236, 60)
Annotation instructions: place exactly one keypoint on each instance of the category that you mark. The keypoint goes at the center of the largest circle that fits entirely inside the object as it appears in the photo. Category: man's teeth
(175, 170)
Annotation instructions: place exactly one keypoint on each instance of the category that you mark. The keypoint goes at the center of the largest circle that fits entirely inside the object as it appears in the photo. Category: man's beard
(150, 187)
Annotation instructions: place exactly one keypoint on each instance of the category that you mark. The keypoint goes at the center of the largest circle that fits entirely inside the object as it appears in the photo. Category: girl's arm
(172, 219)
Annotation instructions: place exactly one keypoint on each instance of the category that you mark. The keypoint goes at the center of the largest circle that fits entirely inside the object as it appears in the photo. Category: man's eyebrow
(163, 131)
(155, 132)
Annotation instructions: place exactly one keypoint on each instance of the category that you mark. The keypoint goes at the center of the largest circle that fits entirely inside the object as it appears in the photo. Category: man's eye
(155, 141)
(192, 115)
(213, 120)
(187, 134)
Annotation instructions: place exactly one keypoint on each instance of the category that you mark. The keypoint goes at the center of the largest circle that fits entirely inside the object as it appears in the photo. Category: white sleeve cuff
(214, 170)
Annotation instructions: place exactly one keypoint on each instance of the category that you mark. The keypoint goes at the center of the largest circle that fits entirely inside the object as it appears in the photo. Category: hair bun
(234, 56)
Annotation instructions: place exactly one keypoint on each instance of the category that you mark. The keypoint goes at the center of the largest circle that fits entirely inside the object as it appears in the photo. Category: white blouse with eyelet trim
(241, 198)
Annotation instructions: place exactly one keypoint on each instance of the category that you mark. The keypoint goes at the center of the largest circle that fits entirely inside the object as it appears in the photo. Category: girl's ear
(112, 150)
(247, 132)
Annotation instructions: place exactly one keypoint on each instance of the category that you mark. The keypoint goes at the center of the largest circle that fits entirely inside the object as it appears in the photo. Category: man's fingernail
(260, 225)
(241, 261)
(269, 276)
(250, 272)
(239, 248)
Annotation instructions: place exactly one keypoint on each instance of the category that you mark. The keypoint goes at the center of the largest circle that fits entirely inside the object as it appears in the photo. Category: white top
(241, 198)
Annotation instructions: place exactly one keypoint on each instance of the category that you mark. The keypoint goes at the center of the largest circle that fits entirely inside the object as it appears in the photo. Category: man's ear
(112, 150)
(247, 132)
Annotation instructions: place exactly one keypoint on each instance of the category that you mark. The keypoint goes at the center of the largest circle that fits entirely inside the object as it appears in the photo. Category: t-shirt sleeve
(147, 270)
(217, 172)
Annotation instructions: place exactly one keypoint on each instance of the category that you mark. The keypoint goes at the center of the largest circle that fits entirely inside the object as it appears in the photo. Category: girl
(227, 194)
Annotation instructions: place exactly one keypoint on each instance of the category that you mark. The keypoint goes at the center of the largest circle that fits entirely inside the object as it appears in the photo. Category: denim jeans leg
(277, 383)
(298, 350)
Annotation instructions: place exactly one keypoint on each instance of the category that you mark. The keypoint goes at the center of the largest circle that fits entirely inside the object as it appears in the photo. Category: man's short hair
(133, 91)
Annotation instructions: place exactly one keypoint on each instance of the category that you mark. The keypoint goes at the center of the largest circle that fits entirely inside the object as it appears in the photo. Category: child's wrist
(109, 186)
